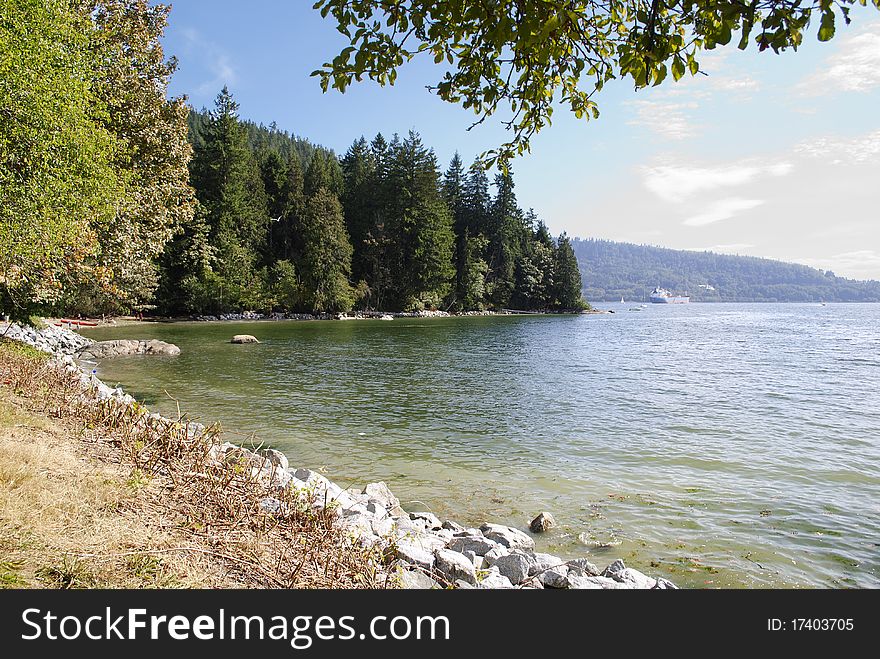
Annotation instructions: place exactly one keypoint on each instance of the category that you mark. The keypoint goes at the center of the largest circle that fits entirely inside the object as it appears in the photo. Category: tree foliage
(93, 156)
(523, 57)
(57, 179)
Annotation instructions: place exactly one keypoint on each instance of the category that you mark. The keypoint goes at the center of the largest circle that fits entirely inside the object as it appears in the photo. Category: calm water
(719, 445)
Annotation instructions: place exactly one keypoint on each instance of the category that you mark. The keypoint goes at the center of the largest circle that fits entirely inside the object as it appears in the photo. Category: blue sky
(768, 155)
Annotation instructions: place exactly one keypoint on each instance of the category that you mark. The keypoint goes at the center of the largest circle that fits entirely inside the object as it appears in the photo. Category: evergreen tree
(476, 200)
(453, 192)
(421, 227)
(228, 184)
(358, 201)
(326, 262)
(567, 288)
(505, 248)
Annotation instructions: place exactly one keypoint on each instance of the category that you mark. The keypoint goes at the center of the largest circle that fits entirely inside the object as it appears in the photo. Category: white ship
(662, 296)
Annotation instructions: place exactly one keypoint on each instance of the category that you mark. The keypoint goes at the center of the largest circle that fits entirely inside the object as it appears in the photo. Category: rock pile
(52, 339)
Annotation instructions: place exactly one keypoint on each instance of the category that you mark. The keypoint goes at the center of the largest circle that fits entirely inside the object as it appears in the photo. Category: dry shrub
(201, 514)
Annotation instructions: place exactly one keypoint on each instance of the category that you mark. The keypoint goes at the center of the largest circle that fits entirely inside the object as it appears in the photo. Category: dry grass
(101, 495)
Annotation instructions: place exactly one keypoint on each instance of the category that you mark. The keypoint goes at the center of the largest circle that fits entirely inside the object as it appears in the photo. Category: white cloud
(676, 184)
(863, 149)
(859, 264)
(670, 120)
(723, 209)
(214, 60)
(854, 67)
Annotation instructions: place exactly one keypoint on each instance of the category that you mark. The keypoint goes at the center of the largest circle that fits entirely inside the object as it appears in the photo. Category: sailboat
(621, 300)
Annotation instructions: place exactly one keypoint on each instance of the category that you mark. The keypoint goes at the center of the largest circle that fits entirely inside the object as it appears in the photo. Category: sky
(767, 155)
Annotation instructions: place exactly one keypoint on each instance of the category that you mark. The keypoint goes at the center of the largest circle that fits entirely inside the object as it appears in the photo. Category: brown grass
(101, 495)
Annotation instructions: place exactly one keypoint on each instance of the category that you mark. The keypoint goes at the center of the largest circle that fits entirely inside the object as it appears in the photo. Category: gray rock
(514, 566)
(495, 579)
(467, 532)
(584, 583)
(383, 527)
(270, 505)
(452, 526)
(425, 541)
(507, 536)
(583, 568)
(430, 519)
(554, 577)
(126, 347)
(616, 566)
(542, 522)
(495, 554)
(359, 525)
(665, 584)
(453, 566)
(607, 583)
(541, 562)
(380, 492)
(376, 509)
(633, 578)
(154, 347)
(443, 534)
(277, 458)
(417, 580)
(463, 585)
(244, 338)
(414, 555)
(477, 544)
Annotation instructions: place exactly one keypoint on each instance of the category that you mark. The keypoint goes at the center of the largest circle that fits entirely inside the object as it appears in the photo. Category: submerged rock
(244, 338)
(542, 522)
(126, 347)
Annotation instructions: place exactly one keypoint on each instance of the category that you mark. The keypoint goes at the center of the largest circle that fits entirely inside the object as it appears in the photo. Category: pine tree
(326, 261)
(505, 246)
(228, 183)
(568, 285)
(453, 192)
(358, 201)
(420, 226)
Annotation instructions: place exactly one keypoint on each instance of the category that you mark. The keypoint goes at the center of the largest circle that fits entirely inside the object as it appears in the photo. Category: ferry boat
(662, 296)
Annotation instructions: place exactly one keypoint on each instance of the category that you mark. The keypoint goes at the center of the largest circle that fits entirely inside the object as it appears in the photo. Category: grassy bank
(96, 495)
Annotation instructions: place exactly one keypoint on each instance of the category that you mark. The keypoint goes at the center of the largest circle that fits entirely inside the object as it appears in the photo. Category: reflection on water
(720, 445)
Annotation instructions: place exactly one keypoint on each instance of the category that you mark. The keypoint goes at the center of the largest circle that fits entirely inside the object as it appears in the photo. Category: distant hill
(613, 270)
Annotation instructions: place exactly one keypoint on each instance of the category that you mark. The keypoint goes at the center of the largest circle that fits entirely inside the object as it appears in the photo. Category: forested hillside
(612, 270)
(286, 225)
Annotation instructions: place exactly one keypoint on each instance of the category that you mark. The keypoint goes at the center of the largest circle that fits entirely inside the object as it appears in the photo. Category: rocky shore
(358, 315)
(423, 550)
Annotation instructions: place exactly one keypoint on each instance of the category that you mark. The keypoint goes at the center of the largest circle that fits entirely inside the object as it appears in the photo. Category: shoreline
(420, 549)
(124, 321)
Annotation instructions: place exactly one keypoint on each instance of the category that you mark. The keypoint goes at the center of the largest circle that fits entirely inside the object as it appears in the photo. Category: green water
(717, 445)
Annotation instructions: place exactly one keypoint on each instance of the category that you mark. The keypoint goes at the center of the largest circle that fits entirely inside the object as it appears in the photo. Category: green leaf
(660, 76)
(677, 68)
(826, 29)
